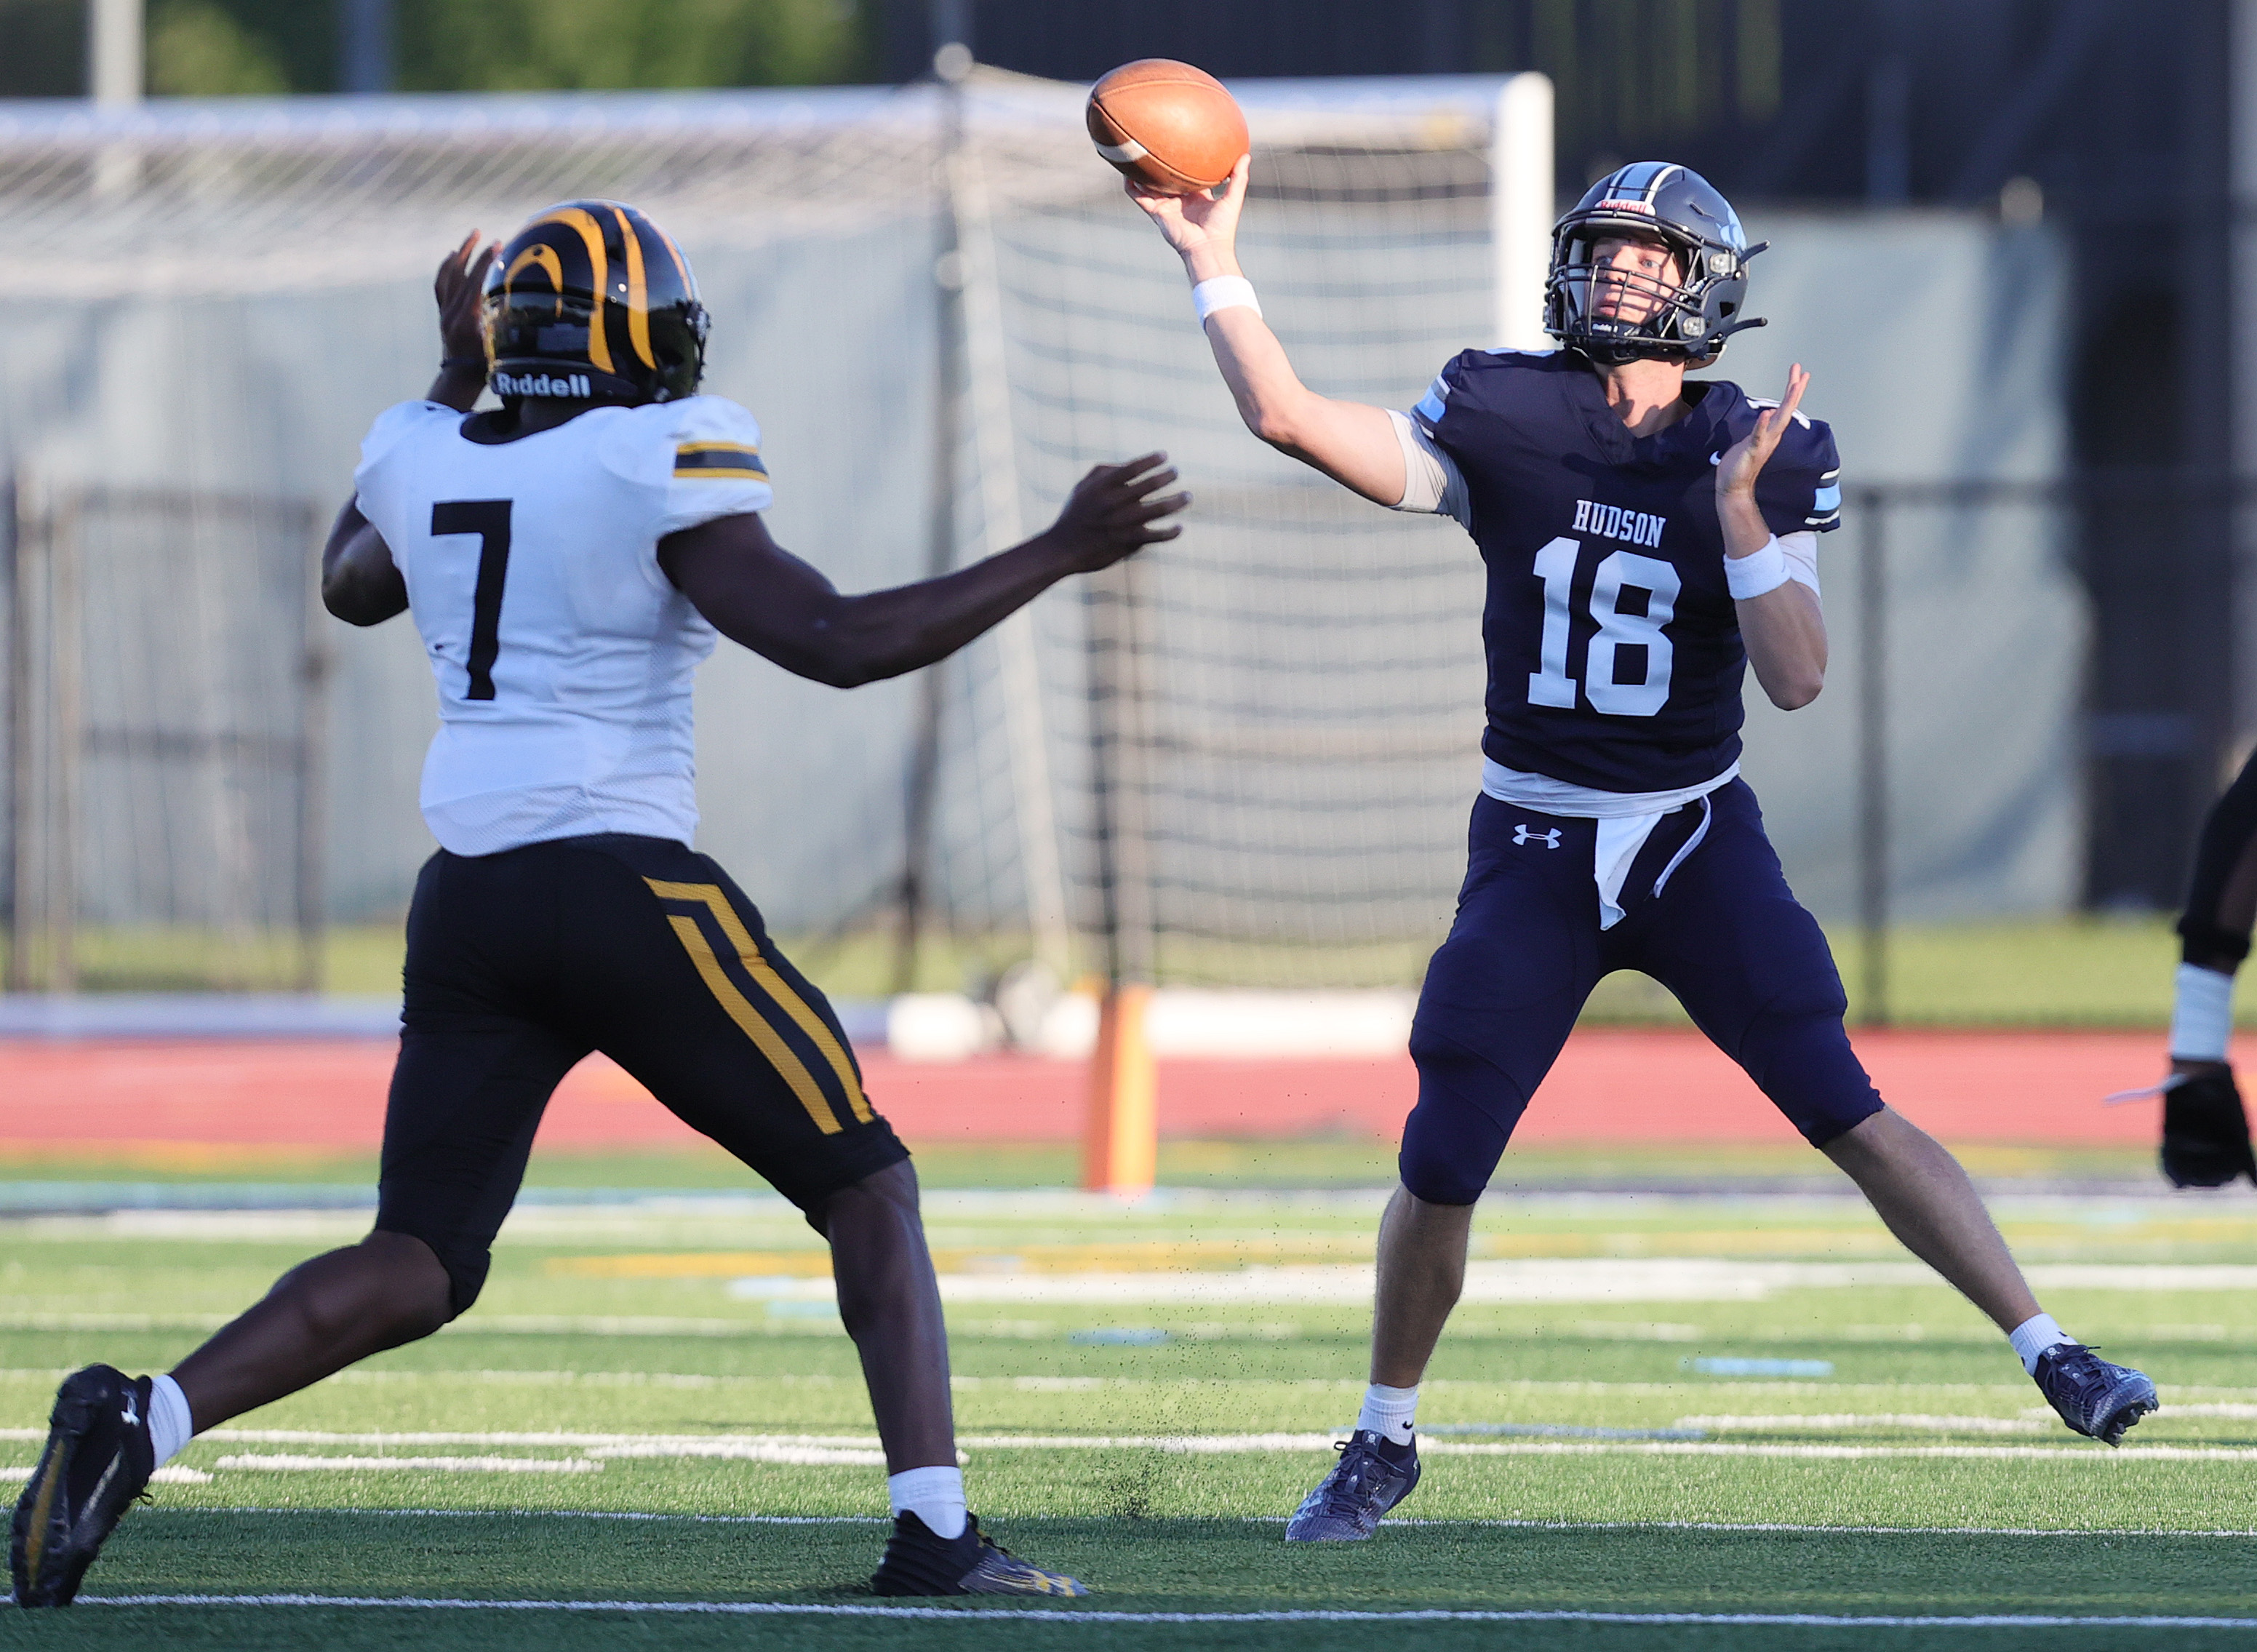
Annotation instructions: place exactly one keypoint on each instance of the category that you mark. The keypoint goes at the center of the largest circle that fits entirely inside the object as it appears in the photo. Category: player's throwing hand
(1195, 221)
(1112, 513)
(1744, 459)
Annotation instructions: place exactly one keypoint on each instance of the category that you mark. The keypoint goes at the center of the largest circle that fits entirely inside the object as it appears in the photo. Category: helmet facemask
(1688, 322)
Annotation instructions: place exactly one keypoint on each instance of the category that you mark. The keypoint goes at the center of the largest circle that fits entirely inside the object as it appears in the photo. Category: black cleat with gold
(918, 1562)
(96, 1461)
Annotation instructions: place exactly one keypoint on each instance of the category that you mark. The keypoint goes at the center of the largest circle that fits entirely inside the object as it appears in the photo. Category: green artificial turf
(1919, 1475)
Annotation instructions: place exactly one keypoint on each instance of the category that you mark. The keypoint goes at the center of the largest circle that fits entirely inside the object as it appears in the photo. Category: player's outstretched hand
(1744, 461)
(1113, 513)
(459, 286)
(1197, 222)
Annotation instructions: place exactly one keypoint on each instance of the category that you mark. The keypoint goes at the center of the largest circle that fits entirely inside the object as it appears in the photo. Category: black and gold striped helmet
(593, 300)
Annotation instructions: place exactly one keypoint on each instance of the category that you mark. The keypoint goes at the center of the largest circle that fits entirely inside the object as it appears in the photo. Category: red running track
(1609, 1086)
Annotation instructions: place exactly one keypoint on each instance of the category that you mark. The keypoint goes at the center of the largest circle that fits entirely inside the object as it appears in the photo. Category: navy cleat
(97, 1460)
(1347, 1505)
(918, 1563)
(2093, 1397)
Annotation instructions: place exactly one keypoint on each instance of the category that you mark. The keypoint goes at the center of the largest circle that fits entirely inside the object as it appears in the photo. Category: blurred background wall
(2003, 235)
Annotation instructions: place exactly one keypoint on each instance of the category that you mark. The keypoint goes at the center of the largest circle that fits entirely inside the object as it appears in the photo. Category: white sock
(170, 1425)
(1390, 1413)
(934, 1496)
(2201, 1014)
(2033, 1335)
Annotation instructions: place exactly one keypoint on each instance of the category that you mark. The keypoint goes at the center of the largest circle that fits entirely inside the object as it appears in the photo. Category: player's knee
(1450, 1146)
(1803, 1062)
(434, 1281)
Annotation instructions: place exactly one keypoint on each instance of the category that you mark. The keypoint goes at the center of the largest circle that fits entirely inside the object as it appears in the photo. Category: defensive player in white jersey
(568, 561)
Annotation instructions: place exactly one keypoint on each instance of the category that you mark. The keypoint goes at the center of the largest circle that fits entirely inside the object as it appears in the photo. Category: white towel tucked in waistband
(1626, 820)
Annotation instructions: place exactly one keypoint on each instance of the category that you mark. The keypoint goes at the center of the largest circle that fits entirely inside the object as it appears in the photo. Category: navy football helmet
(1688, 322)
(593, 300)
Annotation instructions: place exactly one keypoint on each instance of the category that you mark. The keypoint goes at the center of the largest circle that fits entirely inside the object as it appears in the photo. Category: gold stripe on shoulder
(719, 459)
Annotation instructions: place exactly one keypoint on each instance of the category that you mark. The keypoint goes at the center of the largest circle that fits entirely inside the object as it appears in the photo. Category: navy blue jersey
(1615, 658)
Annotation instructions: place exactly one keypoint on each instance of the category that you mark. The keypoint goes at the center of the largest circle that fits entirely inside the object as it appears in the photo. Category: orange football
(1169, 126)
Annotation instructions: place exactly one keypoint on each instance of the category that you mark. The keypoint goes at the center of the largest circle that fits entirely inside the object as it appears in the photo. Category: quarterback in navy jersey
(1647, 540)
(1606, 565)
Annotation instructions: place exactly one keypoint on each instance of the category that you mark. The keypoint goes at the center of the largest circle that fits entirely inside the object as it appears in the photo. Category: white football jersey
(564, 655)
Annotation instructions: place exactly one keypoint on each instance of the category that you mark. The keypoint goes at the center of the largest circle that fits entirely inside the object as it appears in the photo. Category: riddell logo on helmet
(1623, 206)
(541, 384)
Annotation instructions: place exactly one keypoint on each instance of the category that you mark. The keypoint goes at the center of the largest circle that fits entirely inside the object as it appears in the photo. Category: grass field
(655, 1404)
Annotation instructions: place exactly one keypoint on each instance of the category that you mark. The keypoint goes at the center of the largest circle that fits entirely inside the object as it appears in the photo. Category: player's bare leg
(323, 1315)
(1422, 1269)
(109, 1432)
(1927, 1201)
(890, 1302)
(1920, 1191)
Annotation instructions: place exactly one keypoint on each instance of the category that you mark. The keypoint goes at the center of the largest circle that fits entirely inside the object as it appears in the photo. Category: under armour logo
(1549, 840)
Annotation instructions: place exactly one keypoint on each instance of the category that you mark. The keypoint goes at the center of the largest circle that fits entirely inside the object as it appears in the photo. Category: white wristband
(2201, 1014)
(1223, 291)
(1759, 571)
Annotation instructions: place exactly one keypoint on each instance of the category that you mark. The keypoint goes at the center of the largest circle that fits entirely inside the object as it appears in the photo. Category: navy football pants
(1725, 935)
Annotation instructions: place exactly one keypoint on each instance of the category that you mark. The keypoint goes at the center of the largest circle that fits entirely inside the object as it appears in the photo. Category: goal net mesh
(1295, 697)
(1247, 757)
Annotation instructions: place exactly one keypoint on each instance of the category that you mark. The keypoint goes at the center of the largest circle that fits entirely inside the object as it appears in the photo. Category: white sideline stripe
(320, 1436)
(853, 1450)
(300, 1512)
(420, 1465)
(868, 1457)
(171, 1474)
(776, 1608)
(2095, 1453)
(1892, 1420)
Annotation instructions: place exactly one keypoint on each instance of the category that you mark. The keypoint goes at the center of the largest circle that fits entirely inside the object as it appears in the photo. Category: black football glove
(2205, 1132)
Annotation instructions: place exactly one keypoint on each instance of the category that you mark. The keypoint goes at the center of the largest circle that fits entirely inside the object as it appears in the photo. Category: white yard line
(418, 1464)
(863, 1450)
(171, 1474)
(1086, 1615)
(1596, 1279)
(2235, 1533)
(1890, 1419)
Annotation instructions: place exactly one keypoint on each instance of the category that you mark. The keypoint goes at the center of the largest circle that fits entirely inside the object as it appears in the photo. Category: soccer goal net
(1243, 758)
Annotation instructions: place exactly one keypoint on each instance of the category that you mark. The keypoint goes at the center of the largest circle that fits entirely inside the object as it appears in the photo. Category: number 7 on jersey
(489, 520)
